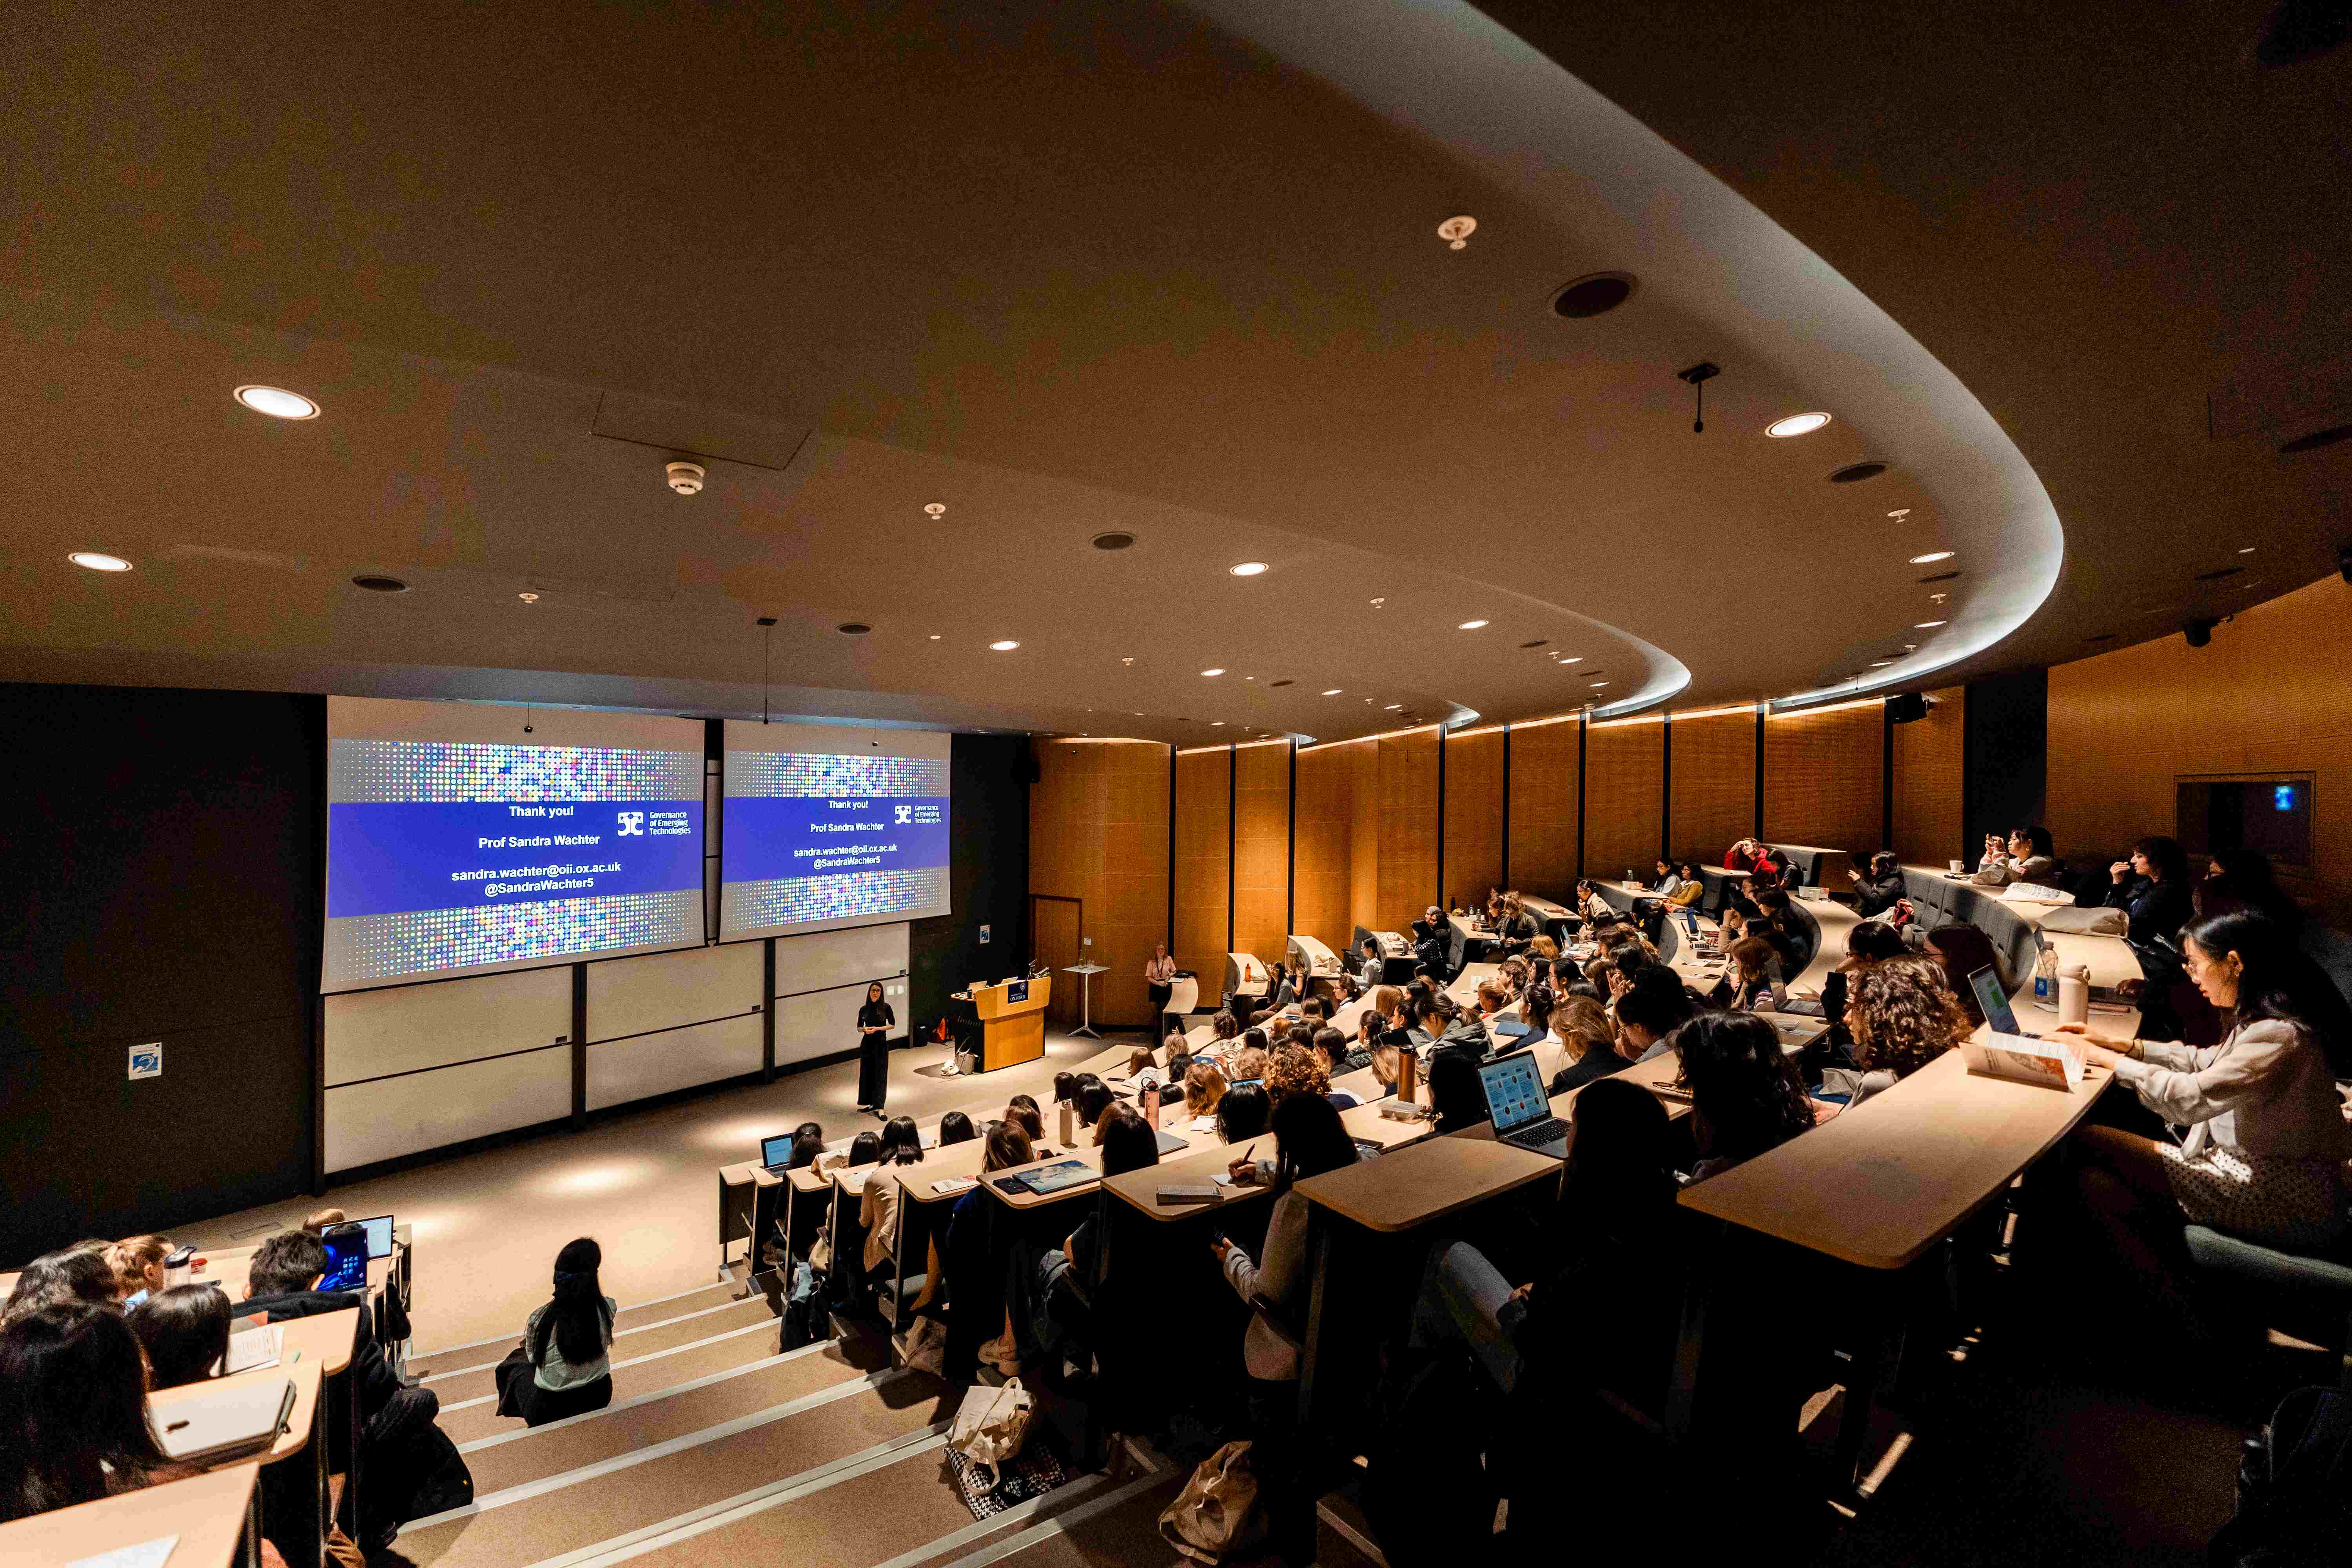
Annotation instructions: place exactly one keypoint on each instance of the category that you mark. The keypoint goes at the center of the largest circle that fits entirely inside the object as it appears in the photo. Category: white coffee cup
(1960, 865)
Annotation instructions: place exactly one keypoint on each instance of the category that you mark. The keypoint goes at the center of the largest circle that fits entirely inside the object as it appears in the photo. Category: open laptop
(1519, 1107)
(1995, 1003)
(776, 1152)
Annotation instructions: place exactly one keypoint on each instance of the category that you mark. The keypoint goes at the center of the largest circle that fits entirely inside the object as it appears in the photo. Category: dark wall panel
(2005, 754)
(164, 884)
(988, 876)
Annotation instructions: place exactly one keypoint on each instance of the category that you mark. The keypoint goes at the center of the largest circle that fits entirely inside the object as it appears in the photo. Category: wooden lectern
(1011, 1021)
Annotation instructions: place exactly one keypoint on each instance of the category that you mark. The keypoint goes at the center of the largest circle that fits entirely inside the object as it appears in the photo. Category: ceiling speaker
(1907, 709)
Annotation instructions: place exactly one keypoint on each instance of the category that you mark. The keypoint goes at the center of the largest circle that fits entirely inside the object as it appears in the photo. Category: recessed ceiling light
(1471, 626)
(852, 628)
(1212, 672)
(276, 402)
(98, 562)
(1247, 569)
(377, 584)
(935, 637)
(1393, 708)
(1538, 643)
(2249, 550)
(1333, 692)
(528, 597)
(1270, 682)
(1113, 541)
(1599, 684)
(1216, 723)
(1576, 659)
(1854, 473)
(1933, 555)
(1924, 626)
(1797, 425)
(1005, 646)
(1880, 663)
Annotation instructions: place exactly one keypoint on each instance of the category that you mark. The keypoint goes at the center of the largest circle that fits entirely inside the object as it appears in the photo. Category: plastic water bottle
(2074, 994)
(2045, 977)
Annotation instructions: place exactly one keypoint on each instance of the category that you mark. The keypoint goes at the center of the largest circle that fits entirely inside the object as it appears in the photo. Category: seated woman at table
(1609, 1234)
(2242, 879)
(1248, 1064)
(1585, 1048)
(2152, 889)
(1776, 924)
(138, 1265)
(2266, 1138)
(956, 1126)
(562, 1366)
(1454, 1092)
(78, 1273)
(1746, 1096)
(1331, 1048)
(1879, 888)
(2024, 857)
(882, 1202)
(1754, 984)
(1309, 1140)
(1204, 1086)
(1294, 1068)
(1903, 1015)
(184, 1333)
(1066, 1275)
(1242, 1112)
(981, 1326)
(1650, 1011)
(808, 1143)
(73, 1413)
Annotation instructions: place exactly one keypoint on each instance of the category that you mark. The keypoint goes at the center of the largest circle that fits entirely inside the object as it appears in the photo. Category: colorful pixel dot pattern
(801, 773)
(461, 771)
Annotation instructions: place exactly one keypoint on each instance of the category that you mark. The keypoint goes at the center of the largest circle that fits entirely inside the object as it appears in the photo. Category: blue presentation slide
(394, 857)
(811, 838)
(446, 857)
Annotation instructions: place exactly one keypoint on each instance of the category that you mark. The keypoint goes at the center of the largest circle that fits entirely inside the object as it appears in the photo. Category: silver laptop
(1520, 1106)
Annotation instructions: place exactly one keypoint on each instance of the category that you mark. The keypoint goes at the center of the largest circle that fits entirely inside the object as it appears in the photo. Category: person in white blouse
(2263, 1155)
(1160, 980)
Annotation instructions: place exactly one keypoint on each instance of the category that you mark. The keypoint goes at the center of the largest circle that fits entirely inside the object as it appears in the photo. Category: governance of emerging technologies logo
(633, 825)
(906, 814)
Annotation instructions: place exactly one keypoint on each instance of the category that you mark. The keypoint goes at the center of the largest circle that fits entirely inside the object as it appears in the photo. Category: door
(1054, 928)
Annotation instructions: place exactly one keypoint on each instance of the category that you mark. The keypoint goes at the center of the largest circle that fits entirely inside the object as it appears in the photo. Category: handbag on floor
(1217, 1512)
(992, 1423)
(927, 1345)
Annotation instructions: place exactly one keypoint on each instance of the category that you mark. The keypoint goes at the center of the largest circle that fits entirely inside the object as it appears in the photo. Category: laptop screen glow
(1994, 1002)
(1515, 1094)
(777, 1150)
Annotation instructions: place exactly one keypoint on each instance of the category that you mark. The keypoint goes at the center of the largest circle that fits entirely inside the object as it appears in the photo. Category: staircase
(718, 1448)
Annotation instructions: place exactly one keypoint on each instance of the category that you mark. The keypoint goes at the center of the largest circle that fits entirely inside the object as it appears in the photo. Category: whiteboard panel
(681, 1059)
(383, 1120)
(827, 959)
(662, 990)
(822, 1023)
(372, 1033)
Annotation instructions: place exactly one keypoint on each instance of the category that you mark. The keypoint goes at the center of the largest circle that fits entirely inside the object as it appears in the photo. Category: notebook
(224, 1422)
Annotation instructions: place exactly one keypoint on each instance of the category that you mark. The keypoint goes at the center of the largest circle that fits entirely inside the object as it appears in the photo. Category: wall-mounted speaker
(1908, 708)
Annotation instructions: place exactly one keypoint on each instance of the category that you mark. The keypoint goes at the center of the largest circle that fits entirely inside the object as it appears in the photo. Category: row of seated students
(91, 1327)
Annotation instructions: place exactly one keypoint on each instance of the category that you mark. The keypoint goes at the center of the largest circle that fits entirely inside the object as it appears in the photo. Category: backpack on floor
(2294, 1487)
(803, 1317)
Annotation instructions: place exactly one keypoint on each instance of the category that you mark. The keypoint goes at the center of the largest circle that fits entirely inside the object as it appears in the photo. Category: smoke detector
(685, 478)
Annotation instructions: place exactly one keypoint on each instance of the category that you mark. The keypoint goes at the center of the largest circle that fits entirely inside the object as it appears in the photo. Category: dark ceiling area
(1175, 272)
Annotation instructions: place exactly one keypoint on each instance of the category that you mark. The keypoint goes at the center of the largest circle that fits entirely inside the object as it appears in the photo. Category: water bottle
(1068, 1128)
(2045, 976)
(2074, 994)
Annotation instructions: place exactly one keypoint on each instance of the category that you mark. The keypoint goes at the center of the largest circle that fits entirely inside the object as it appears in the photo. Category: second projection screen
(824, 827)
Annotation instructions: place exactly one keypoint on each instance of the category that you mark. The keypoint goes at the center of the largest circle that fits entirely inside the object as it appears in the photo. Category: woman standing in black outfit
(875, 1022)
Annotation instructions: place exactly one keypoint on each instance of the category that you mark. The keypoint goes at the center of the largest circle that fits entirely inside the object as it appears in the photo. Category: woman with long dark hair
(2152, 889)
(875, 1022)
(881, 1203)
(1747, 1096)
(184, 1331)
(73, 1411)
(562, 1366)
(2267, 1141)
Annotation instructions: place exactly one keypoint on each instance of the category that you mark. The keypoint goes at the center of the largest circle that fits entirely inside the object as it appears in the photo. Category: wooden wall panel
(1624, 767)
(1474, 815)
(1543, 808)
(1364, 830)
(1326, 811)
(1826, 779)
(1928, 826)
(2272, 693)
(1712, 786)
(1410, 827)
(1262, 848)
(1098, 832)
(1203, 857)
